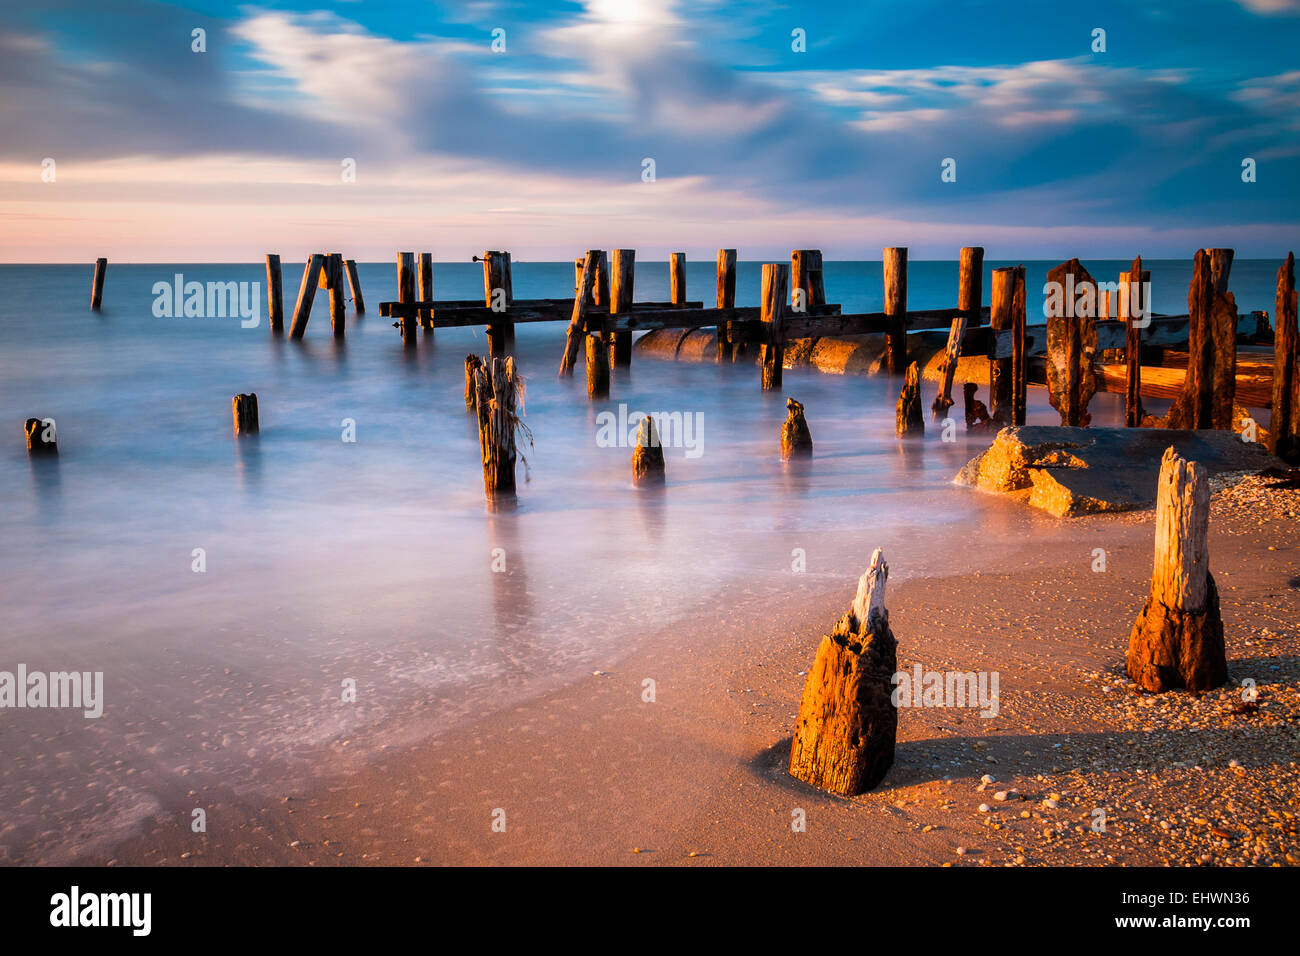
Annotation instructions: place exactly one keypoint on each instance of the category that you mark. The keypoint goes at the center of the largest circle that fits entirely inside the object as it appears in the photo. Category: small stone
(961, 851)
(1050, 804)
(985, 808)
(1000, 795)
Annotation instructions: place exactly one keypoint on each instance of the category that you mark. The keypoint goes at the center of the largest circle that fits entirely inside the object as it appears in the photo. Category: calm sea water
(371, 561)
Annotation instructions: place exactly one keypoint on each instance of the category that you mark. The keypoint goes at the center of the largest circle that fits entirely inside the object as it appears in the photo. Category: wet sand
(592, 774)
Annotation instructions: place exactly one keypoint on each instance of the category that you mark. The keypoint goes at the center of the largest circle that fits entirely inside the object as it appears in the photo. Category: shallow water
(372, 561)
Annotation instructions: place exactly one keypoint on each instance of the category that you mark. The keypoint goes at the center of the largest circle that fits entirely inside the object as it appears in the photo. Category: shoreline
(588, 773)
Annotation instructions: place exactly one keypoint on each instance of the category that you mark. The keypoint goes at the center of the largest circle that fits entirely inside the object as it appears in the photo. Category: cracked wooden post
(908, 420)
(970, 284)
(97, 284)
(1071, 341)
(622, 273)
(1177, 640)
(472, 364)
(726, 299)
(424, 285)
(648, 455)
(895, 278)
(573, 336)
(677, 278)
(354, 287)
(776, 279)
(244, 412)
(1001, 319)
(497, 296)
(1019, 352)
(311, 274)
(845, 733)
(406, 294)
(951, 355)
(338, 301)
(1210, 385)
(274, 293)
(806, 286)
(796, 439)
(1284, 417)
(1130, 292)
(597, 368)
(497, 386)
(41, 437)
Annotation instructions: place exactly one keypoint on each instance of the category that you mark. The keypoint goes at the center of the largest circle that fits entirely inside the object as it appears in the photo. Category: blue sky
(163, 153)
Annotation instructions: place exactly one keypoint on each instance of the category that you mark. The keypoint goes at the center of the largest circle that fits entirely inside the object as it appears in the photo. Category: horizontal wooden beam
(643, 321)
(1112, 334)
(451, 309)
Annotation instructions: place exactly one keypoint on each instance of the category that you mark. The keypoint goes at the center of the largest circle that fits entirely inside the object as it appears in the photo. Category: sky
(551, 128)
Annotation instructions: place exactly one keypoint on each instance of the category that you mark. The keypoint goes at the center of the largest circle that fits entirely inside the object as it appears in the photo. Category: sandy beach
(592, 774)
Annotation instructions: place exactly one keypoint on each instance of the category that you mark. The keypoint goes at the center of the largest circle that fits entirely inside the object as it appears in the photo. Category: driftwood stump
(908, 417)
(582, 297)
(1177, 640)
(796, 439)
(847, 725)
(41, 439)
(1209, 388)
(499, 387)
(648, 456)
(1284, 417)
(472, 364)
(977, 413)
(1072, 342)
(244, 412)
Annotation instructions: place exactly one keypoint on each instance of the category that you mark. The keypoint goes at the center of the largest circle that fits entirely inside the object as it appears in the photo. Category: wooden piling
(338, 301)
(597, 368)
(354, 286)
(796, 439)
(274, 293)
(41, 437)
(498, 386)
(1209, 387)
(951, 355)
(895, 279)
(1132, 344)
(573, 337)
(970, 284)
(1284, 416)
(406, 294)
(677, 278)
(908, 420)
(776, 280)
(847, 727)
(622, 273)
(1072, 342)
(806, 285)
(726, 299)
(306, 295)
(244, 411)
(648, 455)
(425, 287)
(472, 364)
(1019, 356)
(97, 284)
(497, 296)
(600, 288)
(1001, 318)
(1177, 640)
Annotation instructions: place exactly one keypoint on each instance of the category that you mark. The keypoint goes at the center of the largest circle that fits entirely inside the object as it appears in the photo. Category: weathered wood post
(1001, 319)
(648, 455)
(498, 385)
(600, 288)
(406, 294)
(274, 293)
(597, 368)
(1284, 417)
(1210, 384)
(97, 284)
(895, 276)
(425, 287)
(1223, 318)
(951, 355)
(1177, 640)
(306, 295)
(726, 299)
(497, 296)
(1019, 352)
(807, 288)
(970, 284)
(1130, 293)
(622, 273)
(677, 278)
(41, 437)
(796, 439)
(776, 279)
(1071, 341)
(354, 286)
(573, 336)
(338, 301)
(244, 411)
(908, 420)
(845, 733)
(472, 364)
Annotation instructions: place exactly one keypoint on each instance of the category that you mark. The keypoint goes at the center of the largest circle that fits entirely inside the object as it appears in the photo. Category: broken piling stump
(97, 284)
(274, 293)
(648, 456)
(1209, 387)
(338, 301)
(622, 275)
(1177, 641)
(498, 387)
(41, 437)
(847, 726)
(1071, 309)
(1284, 416)
(472, 364)
(244, 412)
(573, 336)
(354, 286)
(977, 414)
(597, 368)
(908, 418)
(311, 274)
(796, 439)
(406, 294)
(776, 280)
(943, 400)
